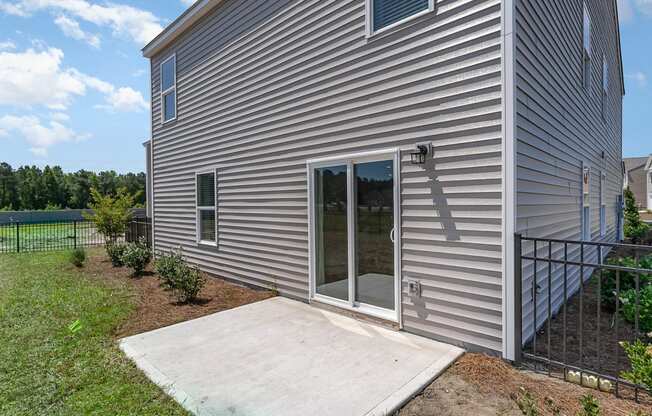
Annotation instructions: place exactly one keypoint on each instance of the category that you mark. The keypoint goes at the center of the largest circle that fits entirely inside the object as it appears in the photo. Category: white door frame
(349, 160)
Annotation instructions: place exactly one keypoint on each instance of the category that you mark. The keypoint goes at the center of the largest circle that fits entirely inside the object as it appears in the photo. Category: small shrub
(590, 406)
(635, 228)
(137, 256)
(640, 359)
(188, 283)
(629, 308)
(627, 279)
(168, 267)
(115, 252)
(526, 403)
(78, 257)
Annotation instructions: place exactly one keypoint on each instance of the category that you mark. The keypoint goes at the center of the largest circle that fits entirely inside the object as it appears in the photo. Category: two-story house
(379, 155)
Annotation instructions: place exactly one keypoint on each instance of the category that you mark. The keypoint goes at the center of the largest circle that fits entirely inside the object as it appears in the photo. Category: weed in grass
(590, 406)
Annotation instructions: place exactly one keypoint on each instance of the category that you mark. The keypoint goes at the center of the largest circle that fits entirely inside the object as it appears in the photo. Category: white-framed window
(605, 86)
(586, 203)
(168, 80)
(383, 15)
(206, 200)
(603, 204)
(586, 49)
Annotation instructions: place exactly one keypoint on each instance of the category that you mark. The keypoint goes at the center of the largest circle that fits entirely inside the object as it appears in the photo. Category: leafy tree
(111, 214)
(8, 187)
(635, 228)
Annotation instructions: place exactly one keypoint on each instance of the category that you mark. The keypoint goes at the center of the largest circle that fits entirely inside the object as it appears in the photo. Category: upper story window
(605, 85)
(586, 49)
(388, 13)
(169, 89)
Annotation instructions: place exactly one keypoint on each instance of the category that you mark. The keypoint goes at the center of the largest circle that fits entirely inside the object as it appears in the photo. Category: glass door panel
(331, 232)
(374, 233)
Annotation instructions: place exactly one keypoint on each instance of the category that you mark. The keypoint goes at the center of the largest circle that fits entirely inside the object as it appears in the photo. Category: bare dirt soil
(478, 385)
(156, 308)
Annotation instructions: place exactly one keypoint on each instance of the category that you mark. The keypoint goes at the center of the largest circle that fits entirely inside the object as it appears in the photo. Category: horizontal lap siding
(559, 127)
(295, 80)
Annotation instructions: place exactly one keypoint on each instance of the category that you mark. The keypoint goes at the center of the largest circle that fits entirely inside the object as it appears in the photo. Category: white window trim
(172, 57)
(586, 49)
(586, 234)
(199, 209)
(370, 32)
(603, 204)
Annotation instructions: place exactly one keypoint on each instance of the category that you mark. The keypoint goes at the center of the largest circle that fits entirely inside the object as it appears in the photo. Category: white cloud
(61, 117)
(7, 45)
(125, 21)
(40, 137)
(71, 28)
(188, 2)
(37, 78)
(139, 73)
(638, 77)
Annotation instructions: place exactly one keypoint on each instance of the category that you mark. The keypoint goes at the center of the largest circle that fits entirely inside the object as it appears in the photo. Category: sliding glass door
(354, 233)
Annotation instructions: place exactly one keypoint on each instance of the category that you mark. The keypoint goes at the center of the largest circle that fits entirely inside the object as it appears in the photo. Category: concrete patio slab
(280, 357)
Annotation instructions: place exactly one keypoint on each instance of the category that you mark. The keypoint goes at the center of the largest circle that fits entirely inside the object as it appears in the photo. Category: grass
(48, 369)
(48, 236)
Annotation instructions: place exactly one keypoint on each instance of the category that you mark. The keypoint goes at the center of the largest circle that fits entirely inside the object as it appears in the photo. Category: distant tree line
(33, 188)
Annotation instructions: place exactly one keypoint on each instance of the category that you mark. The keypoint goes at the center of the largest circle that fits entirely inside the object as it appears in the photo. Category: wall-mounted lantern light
(419, 157)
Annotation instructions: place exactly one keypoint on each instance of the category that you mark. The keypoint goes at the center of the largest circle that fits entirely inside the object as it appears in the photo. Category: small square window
(389, 12)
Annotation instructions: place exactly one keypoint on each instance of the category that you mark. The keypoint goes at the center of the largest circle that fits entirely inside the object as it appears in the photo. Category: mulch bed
(480, 385)
(156, 308)
(493, 375)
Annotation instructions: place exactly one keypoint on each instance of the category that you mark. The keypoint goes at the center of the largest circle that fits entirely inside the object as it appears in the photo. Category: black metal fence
(62, 235)
(580, 300)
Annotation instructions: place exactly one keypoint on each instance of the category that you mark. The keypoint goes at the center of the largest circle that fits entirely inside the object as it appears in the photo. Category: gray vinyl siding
(263, 86)
(559, 126)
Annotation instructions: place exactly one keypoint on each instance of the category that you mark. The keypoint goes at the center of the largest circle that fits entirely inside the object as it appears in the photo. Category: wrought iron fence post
(18, 237)
(74, 226)
(518, 298)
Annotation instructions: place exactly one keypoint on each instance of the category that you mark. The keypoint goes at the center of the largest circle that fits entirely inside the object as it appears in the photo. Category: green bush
(111, 214)
(115, 252)
(78, 257)
(640, 359)
(168, 267)
(629, 309)
(635, 228)
(137, 256)
(627, 279)
(188, 283)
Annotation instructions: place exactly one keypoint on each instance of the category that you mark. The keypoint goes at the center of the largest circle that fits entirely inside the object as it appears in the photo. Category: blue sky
(74, 86)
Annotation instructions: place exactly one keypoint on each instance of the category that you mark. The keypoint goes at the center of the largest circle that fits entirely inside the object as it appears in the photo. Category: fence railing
(62, 235)
(580, 300)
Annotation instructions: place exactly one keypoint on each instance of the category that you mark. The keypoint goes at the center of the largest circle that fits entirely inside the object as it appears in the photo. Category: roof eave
(195, 12)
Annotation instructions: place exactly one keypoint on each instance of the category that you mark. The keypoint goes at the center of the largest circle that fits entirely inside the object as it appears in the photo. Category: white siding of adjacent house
(559, 128)
(265, 85)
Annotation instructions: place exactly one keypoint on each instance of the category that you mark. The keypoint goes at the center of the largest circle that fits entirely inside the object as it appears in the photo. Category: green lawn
(48, 236)
(45, 369)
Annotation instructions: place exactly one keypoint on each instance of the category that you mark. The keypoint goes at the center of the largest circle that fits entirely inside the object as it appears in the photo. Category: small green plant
(168, 267)
(640, 360)
(526, 403)
(188, 283)
(115, 252)
(590, 406)
(111, 214)
(635, 228)
(78, 257)
(644, 308)
(137, 256)
(627, 279)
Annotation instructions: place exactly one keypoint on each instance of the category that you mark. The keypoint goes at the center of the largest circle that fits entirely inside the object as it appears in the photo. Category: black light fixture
(419, 157)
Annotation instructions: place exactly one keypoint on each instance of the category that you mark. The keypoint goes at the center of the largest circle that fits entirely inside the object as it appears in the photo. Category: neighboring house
(638, 177)
(288, 139)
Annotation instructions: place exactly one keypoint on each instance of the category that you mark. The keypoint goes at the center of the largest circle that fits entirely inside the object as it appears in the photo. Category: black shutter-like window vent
(387, 12)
